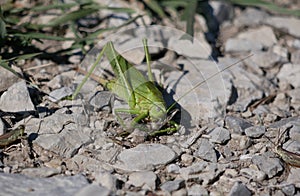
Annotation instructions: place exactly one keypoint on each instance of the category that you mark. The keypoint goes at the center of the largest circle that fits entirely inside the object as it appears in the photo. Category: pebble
(106, 180)
(16, 99)
(206, 151)
(173, 168)
(267, 59)
(255, 131)
(250, 17)
(289, 72)
(236, 124)
(18, 184)
(241, 45)
(145, 157)
(41, 172)
(101, 100)
(93, 190)
(270, 166)
(7, 79)
(290, 25)
(187, 159)
(144, 179)
(197, 190)
(171, 186)
(289, 190)
(239, 189)
(60, 93)
(219, 135)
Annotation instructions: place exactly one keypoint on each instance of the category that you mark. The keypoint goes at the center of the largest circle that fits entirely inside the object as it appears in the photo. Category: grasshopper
(144, 98)
(10, 137)
(291, 158)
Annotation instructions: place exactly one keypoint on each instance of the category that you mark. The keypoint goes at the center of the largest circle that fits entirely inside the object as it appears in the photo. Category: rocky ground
(230, 124)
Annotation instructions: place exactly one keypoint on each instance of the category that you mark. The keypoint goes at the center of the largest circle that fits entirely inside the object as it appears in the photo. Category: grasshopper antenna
(210, 77)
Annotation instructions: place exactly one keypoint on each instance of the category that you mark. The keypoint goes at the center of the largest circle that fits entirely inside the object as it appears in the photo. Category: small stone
(58, 185)
(7, 169)
(287, 24)
(206, 151)
(101, 100)
(238, 125)
(93, 190)
(173, 168)
(41, 172)
(295, 57)
(219, 135)
(251, 17)
(197, 190)
(289, 190)
(171, 186)
(241, 45)
(145, 157)
(187, 159)
(60, 93)
(7, 79)
(239, 189)
(2, 127)
(290, 72)
(106, 180)
(144, 179)
(253, 174)
(270, 166)
(255, 131)
(16, 99)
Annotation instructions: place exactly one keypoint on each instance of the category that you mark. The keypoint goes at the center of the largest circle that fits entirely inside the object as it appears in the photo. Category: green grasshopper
(10, 137)
(144, 98)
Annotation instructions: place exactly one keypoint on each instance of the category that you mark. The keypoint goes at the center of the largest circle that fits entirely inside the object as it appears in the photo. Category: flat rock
(206, 151)
(250, 17)
(266, 36)
(16, 99)
(219, 135)
(41, 172)
(171, 186)
(144, 179)
(236, 124)
(241, 45)
(101, 100)
(255, 131)
(60, 93)
(270, 166)
(144, 157)
(267, 59)
(107, 180)
(239, 189)
(290, 72)
(93, 190)
(290, 25)
(7, 79)
(197, 190)
(295, 57)
(41, 186)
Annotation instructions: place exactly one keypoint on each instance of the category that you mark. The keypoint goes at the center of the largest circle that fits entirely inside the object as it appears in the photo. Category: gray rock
(289, 190)
(285, 122)
(255, 131)
(295, 98)
(66, 143)
(145, 179)
(58, 94)
(219, 135)
(206, 151)
(106, 180)
(239, 189)
(7, 79)
(197, 190)
(289, 72)
(17, 184)
(171, 186)
(2, 127)
(267, 59)
(241, 45)
(294, 176)
(295, 57)
(93, 190)
(101, 100)
(290, 25)
(270, 166)
(144, 157)
(253, 174)
(41, 172)
(187, 159)
(250, 17)
(236, 124)
(173, 168)
(266, 36)
(16, 99)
